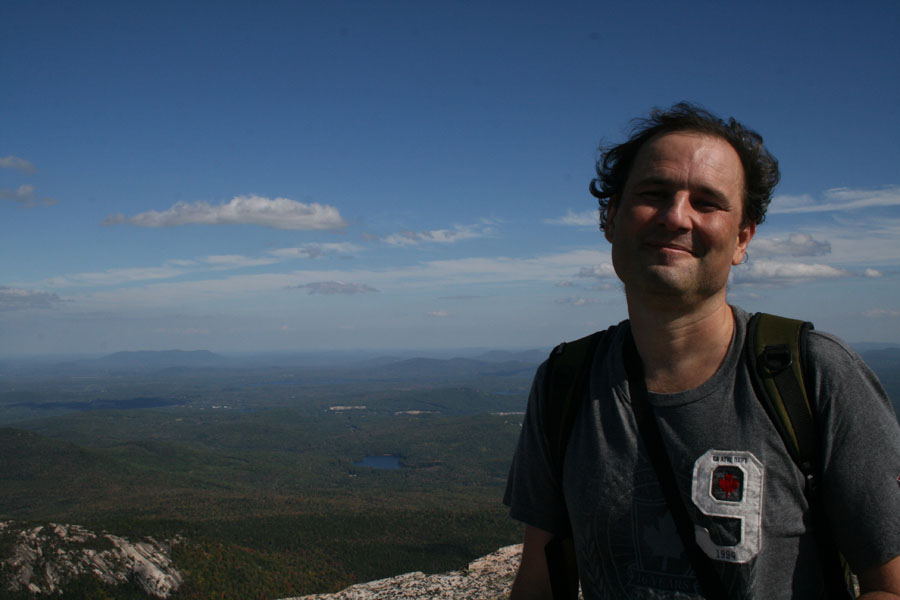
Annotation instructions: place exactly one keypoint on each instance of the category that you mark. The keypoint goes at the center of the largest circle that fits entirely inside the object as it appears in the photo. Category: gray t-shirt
(734, 473)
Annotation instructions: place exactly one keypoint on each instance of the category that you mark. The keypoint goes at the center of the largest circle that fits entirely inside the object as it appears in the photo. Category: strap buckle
(777, 358)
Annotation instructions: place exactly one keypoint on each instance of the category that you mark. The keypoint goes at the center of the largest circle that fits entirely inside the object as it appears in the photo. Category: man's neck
(681, 347)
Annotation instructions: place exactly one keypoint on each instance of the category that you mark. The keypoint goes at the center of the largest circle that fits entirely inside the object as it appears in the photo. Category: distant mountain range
(147, 359)
(885, 361)
(355, 366)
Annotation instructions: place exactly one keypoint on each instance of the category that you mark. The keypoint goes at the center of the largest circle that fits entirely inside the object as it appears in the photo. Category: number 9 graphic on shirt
(729, 484)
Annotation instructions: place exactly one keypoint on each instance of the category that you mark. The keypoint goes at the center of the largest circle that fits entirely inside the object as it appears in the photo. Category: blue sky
(336, 175)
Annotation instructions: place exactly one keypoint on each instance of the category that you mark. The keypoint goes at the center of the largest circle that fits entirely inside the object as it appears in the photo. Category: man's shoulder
(571, 355)
(614, 330)
(830, 347)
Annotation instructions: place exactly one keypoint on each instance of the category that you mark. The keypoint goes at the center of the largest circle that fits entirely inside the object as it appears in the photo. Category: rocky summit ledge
(44, 558)
(487, 578)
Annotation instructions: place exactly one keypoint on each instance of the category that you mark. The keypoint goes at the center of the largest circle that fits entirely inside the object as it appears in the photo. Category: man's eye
(706, 205)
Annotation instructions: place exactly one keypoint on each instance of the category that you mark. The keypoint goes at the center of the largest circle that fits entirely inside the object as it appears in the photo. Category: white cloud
(20, 299)
(772, 272)
(794, 244)
(587, 218)
(168, 270)
(838, 199)
(19, 164)
(116, 276)
(499, 270)
(438, 236)
(315, 250)
(604, 271)
(877, 313)
(337, 287)
(439, 314)
(784, 202)
(180, 267)
(279, 213)
(862, 238)
(234, 261)
(872, 273)
(25, 194)
(241, 289)
(578, 301)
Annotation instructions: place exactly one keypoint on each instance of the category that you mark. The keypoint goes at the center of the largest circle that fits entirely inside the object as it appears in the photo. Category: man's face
(676, 231)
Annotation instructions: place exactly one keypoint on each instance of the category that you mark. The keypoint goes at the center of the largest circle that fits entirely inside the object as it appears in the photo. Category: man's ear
(611, 207)
(745, 234)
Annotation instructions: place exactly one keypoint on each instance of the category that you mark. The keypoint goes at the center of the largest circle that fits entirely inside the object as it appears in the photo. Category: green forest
(255, 474)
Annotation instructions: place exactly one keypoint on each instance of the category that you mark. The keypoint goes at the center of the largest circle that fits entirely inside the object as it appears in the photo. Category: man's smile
(670, 247)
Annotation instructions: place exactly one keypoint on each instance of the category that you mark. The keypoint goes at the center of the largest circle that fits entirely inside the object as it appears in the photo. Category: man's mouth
(671, 246)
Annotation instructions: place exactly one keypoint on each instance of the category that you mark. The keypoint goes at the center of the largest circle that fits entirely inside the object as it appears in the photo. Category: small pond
(385, 461)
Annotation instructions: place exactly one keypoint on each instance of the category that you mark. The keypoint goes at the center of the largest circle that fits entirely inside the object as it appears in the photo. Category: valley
(261, 472)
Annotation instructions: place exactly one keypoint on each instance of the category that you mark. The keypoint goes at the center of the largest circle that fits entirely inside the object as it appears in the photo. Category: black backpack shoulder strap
(566, 381)
(566, 385)
(776, 351)
(778, 359)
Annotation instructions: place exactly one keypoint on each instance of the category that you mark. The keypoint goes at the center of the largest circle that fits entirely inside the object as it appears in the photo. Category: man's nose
(676, 213)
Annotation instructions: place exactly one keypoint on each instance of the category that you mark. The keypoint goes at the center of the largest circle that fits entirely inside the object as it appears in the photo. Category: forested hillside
(255, 470)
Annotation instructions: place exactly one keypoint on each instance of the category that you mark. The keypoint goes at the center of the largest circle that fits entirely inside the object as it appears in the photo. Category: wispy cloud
(178, 267)
(837, 200)
(236, 261)
(336, 287)
(587, 218)
(880, 313)
(315, 250)
(117, 276)
(438, 236)
(25, 194)
(21, 299)
(19, 164)
(794, 244)
(439, 314)
(278, 213)
(772, 272)
(497, 270)
(578, 301)
(860, 238)
(602, 271)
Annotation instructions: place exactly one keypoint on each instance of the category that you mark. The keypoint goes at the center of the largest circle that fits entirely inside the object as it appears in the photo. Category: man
(680, 202)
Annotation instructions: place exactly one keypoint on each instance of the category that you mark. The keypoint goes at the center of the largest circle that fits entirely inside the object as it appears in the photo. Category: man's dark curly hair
(761, 173)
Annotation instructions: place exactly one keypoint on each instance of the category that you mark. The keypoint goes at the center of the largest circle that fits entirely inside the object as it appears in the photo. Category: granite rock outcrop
(41, 559)
(487, 578)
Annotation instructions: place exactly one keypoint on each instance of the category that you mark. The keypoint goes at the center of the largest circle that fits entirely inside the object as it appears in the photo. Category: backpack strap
(776, 351)
(777, 358)
(704, 568)
(565, 388)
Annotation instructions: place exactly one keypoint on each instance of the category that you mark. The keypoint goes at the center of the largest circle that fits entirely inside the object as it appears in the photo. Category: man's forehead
(688, 148)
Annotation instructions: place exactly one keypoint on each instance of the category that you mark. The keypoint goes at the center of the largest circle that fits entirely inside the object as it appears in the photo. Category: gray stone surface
(44, 557)
(487, 578)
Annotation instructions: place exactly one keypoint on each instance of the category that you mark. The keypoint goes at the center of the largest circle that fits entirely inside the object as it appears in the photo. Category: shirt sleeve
(861, 454)
(533, 489)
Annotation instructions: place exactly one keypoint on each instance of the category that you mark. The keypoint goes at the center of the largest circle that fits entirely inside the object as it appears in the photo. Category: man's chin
(663, 279)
